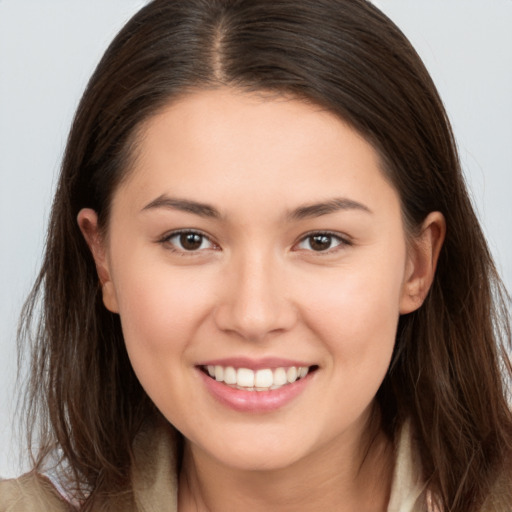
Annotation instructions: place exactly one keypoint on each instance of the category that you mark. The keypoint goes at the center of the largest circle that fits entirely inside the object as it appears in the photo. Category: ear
(422, 261)
(88, 223)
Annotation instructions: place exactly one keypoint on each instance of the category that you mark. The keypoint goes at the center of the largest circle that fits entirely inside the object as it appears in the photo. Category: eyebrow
(184, 205)
(300, 213)
(325, 208)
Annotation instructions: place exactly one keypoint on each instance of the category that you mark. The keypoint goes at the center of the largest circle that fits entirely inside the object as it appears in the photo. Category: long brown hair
(450, 370)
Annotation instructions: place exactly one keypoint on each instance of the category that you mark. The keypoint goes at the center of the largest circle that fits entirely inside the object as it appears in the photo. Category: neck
(349, 474)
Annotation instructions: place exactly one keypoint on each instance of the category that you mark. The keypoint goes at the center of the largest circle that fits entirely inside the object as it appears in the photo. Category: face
(257, 258)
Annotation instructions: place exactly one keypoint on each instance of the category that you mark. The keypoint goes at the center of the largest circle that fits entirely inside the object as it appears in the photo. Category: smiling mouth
(265, 379)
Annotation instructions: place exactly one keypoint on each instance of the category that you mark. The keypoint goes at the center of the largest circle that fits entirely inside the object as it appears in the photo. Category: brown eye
(191, 241)
(322, 242)
(188, 241)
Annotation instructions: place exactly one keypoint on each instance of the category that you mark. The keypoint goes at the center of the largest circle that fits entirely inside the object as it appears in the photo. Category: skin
(256, 288)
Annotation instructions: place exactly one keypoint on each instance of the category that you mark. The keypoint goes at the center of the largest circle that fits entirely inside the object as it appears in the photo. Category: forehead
(217, 144)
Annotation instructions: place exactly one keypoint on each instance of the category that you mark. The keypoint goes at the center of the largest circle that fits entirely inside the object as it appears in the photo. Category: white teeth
(230, 375)
(291, 374)
(219, 373)
(280, 377)
(264, 379)
(245, 378)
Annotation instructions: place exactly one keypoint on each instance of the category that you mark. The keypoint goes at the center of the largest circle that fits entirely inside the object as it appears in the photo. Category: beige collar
(155, 471)
(408, 489)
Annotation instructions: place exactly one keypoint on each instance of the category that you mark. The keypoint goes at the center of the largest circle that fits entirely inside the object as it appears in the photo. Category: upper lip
(255, 364)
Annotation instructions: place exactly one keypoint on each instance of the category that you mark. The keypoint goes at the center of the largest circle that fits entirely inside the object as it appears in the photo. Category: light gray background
(48, 49)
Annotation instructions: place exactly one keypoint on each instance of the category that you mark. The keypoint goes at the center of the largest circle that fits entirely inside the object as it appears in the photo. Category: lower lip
(254, 401)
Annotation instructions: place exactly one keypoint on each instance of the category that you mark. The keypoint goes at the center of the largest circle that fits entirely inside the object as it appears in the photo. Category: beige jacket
(155, 483)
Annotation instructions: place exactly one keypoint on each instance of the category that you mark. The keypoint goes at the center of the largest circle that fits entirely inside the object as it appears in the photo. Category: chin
(258, 460)
(253, 449)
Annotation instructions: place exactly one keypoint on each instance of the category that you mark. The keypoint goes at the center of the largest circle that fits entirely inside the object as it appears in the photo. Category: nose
(254, 300)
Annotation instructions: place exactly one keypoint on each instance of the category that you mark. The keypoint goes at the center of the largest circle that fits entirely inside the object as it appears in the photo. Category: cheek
(355, 310)
(356, 322)
(160, 309)
(161, 313)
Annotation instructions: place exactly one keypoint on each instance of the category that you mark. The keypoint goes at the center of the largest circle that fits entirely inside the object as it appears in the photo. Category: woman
(264, 284)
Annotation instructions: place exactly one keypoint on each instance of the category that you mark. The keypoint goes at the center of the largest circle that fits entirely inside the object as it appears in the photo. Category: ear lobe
(88, 223)
(422, 261)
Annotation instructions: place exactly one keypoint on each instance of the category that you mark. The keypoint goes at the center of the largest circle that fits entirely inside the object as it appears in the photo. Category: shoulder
(153, 484)
(31, 493)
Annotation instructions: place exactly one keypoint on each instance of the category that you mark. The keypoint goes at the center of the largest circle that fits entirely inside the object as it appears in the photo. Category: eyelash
(166, 240)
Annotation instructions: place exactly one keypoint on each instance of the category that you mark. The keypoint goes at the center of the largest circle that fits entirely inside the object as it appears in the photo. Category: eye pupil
(320, 242)
(191, 241)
